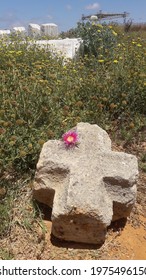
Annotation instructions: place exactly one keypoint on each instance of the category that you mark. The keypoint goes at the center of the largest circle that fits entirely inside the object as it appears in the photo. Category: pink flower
(70, 138)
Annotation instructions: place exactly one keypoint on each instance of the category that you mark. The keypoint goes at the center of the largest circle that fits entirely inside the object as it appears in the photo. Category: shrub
(97, 39)
(42, 98)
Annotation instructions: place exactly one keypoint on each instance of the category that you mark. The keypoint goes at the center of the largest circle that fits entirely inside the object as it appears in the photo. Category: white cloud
(94, 6)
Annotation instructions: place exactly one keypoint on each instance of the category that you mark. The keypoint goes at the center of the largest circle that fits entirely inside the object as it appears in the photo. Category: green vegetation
(5, 255)
(41, 97)
(4, 216)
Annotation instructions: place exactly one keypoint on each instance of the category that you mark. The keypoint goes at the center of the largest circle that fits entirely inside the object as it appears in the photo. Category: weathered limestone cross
(87, 186)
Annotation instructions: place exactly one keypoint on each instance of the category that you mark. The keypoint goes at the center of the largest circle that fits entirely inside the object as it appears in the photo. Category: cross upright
(87, 186)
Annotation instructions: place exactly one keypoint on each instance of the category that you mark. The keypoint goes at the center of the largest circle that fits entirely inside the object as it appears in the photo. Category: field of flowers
(41, 97)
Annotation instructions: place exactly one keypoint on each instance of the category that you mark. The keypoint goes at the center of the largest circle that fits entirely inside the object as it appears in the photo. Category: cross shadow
(73, 245)
(46, 216)
(118, 225)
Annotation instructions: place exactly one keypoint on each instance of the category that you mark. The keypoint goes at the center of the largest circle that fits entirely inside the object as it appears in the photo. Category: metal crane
(103, 16)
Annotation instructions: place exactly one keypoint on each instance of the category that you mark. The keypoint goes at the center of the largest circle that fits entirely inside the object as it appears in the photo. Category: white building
(49, 29)
(5, 32)
(34, 30)
(19, 30)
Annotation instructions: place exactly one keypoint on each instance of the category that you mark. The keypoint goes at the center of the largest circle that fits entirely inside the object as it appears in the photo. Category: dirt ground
(125, 240)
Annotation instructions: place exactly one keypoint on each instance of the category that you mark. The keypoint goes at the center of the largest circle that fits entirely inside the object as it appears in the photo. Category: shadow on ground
(116, 226)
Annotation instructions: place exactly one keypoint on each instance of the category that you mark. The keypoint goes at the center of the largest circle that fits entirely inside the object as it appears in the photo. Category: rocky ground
(30, 237)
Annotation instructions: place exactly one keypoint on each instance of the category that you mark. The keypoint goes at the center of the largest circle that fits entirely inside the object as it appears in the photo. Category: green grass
(17, 206)
(4, 216)
(6, 203)
(5, 255)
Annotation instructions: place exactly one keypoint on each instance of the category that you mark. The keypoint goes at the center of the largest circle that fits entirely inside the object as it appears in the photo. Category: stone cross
(87, 186)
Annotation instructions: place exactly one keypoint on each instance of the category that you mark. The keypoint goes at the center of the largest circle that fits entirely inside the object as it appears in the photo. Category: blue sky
(65, 13)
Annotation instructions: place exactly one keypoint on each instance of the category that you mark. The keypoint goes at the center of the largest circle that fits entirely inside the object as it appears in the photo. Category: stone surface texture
(67, 48)
(87, 186)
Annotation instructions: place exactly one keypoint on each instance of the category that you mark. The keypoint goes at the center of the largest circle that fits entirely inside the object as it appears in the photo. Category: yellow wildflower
(99, 25)
(41, 142)
(101, 60)
(19, 52)
(22, 153)
(29, 146)
(11, 143)
(114, 33)
(115, 61)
